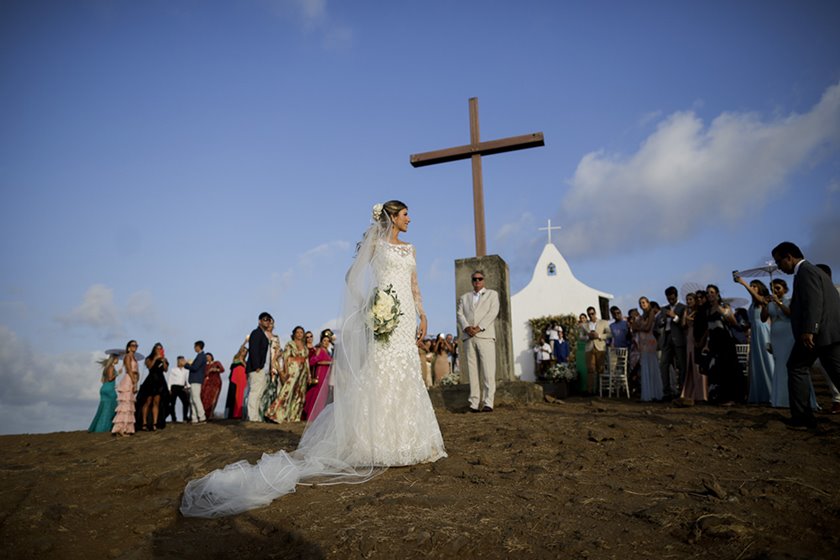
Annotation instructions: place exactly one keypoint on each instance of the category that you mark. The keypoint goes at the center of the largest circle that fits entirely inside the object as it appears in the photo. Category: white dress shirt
(177, 376)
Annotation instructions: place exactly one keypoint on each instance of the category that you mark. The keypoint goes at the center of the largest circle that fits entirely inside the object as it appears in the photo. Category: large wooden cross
(474, 150)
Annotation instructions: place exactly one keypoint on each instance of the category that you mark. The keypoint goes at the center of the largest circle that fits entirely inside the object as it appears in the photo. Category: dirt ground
(584, 478)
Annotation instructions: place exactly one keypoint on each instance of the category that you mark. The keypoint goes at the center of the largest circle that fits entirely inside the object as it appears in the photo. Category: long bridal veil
(338, 444)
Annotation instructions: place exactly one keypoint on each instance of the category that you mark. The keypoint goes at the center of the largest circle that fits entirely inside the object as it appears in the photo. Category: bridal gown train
(381, 415)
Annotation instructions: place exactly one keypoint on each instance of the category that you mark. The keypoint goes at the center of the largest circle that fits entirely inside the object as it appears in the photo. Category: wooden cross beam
(474, 150)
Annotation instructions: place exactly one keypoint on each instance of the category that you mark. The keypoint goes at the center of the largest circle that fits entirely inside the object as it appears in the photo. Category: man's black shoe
(801, 424)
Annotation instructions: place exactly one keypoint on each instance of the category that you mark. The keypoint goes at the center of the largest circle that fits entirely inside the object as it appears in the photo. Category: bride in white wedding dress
(378, 414)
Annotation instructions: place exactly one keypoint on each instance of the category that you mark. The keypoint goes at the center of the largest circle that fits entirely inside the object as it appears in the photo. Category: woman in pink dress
(127, 387)
(319, 363)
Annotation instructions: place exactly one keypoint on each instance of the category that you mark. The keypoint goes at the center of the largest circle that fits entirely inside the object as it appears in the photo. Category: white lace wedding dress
(380, 415)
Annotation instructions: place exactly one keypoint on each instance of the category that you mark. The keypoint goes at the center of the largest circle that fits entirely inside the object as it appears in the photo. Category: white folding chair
(616, 377)
(743, 351)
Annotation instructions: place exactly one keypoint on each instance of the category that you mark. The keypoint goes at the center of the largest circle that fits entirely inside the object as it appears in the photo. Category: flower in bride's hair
(377, 212)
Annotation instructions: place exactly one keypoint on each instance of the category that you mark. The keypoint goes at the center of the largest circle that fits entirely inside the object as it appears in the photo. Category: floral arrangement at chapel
(570, 330)
(384, 312)
(559, 372)
(451, 379)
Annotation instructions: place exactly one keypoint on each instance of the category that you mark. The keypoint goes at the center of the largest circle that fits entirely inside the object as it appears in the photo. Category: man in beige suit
(477, 312)
(596, 332)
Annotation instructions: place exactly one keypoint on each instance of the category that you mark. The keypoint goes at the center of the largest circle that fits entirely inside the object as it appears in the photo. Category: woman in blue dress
(781, 343)
(761, 362)
(104, 419)
(650, 377)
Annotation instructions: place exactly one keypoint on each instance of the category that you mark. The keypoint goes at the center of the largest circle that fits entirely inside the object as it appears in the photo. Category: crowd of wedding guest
(438, 358)
(699, 351)
(268, 381)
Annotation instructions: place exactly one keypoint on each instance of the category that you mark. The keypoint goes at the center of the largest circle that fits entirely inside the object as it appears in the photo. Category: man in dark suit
(815, 319)
(257, 366)
(672, 343)
(196, 378)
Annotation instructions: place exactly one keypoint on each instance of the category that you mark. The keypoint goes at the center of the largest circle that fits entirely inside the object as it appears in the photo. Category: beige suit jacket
(482, 315)
(602, 329)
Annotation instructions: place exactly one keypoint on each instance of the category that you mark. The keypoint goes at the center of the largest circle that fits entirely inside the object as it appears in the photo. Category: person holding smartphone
(761, 362)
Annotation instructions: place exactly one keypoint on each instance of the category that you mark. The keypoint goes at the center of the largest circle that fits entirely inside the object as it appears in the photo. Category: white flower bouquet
(384, 312)
(560, 372)
(451, 380)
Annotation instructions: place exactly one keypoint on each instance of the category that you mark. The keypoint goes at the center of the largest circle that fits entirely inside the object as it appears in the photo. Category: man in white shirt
(179, 388)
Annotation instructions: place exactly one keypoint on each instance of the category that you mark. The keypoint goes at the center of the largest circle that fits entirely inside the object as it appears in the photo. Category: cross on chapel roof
(549, 228)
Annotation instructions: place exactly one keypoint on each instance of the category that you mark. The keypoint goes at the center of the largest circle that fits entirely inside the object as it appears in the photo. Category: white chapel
(553, 290)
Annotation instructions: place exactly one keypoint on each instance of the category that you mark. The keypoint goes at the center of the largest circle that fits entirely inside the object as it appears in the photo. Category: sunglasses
(477, 279)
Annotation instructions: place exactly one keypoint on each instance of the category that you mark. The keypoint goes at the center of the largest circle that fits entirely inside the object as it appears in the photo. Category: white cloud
(305, 265)
(140, 307)
(649, 118)
(100, 312)
(97, 310)
(307, 12)
(311, 9)
(332, 324)
(825, 235)
(13, 309)
(41, 392)
(525, 222)
(312, 16)
(686, 174)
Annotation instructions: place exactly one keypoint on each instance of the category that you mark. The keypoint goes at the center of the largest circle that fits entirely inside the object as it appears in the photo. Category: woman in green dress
(104, 419)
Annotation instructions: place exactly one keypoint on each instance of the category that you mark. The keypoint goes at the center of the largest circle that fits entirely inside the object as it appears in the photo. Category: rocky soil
(584, 478)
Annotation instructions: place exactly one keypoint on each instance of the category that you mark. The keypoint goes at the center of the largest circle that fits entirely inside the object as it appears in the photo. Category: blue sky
(170, 169)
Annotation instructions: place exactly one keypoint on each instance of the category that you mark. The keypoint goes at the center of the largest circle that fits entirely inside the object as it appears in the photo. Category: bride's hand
(421, 331)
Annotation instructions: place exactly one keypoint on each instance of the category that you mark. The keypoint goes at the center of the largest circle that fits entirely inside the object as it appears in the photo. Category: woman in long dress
(319, 363)
(126, 389)
(724, 370)
(237, 382)
(650, 377)
(440, 365)
(695, 387)
(288, 406)
(212, 385)
(104, 419)
(274, 383)
(580, 354)
(380, 414)
(761, 362)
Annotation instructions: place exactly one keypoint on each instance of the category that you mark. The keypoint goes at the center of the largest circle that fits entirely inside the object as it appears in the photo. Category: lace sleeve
(415, 287)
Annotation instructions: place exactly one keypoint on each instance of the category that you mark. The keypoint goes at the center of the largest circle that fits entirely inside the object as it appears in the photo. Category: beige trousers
(481, 364)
